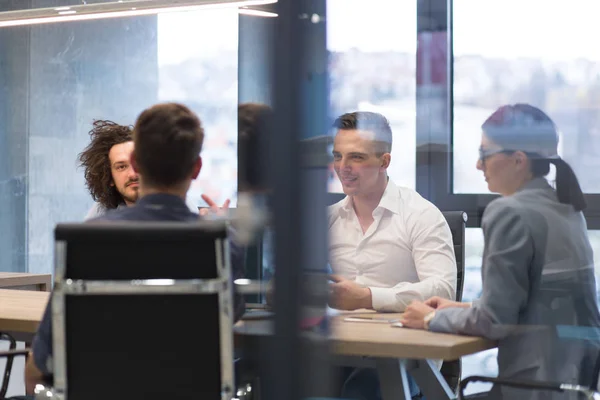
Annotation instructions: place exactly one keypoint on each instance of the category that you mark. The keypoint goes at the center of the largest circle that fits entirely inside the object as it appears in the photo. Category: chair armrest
(249, 286)
(13, 353)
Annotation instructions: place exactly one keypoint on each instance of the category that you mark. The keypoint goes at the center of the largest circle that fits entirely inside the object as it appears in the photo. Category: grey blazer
(539, 292)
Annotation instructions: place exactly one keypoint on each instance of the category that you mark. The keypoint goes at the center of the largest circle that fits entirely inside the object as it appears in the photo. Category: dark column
(301, 108)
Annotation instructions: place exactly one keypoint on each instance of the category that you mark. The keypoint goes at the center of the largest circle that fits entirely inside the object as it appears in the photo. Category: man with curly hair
(109, 177)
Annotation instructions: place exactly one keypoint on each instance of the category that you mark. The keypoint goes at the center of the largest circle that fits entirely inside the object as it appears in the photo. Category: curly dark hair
(94, 159)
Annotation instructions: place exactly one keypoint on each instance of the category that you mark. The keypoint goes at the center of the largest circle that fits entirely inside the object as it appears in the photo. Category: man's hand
(440, 303)
(348, 295)
(414, 315)
(213, 208)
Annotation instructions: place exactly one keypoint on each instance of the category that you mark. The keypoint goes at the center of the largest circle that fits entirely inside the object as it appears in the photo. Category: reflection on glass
(485, 363)
(372, 68)
(197, 59)
(553, 69)
(58, 78)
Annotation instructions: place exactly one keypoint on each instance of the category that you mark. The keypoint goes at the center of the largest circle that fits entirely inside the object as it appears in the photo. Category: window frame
(435, 161)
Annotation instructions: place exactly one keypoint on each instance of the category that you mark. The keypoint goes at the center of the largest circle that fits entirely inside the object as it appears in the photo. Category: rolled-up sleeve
(435, 263)
(508, 254)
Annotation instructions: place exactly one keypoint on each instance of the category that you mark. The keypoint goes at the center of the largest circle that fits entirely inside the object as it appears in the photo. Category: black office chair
(9, 354)
(574, 340)
(143, 311)
(451, 370)
(588, 392)
(457, 221)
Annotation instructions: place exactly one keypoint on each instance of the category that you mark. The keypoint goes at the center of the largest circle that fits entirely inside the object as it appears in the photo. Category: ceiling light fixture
(118, 9)
(257, 13)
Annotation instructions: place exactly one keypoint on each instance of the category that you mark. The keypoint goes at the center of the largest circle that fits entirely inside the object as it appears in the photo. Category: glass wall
(550, 63)
(58, 78)
(372, 64)
(198, 66)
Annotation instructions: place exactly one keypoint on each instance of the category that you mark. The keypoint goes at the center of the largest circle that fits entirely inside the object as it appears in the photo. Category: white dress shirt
(406, 254)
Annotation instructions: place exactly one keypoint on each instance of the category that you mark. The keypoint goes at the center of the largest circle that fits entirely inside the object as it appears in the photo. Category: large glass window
(546, 59)
(58, 78)
(198, 66)
(372, 50)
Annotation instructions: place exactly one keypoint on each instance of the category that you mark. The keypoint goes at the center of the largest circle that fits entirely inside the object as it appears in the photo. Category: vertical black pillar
(434, 107)
(300, 94)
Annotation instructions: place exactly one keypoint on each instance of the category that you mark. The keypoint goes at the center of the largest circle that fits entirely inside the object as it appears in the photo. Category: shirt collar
(162, 199)
(389, 201)
(536, 183)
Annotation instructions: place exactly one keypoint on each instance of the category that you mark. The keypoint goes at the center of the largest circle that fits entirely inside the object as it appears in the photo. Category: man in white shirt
(388, 245)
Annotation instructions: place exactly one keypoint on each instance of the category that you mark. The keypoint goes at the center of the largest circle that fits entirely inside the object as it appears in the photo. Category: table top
(21, 310)
(383, 340)
(11, 279)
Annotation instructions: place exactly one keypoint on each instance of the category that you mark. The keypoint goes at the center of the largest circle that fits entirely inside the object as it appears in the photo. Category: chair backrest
(143, 311)
(457, 221)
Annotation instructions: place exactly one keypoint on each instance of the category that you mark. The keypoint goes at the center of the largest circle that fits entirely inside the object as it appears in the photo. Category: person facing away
(108, 174)
(388, 245)
(538, 269)
(168, 140)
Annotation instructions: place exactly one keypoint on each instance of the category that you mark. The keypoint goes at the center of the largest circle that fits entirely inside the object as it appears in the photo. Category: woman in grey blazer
(539, 290)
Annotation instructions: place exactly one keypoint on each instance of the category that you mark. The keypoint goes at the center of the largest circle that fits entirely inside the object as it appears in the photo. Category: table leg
(430, 380)
(393, 379)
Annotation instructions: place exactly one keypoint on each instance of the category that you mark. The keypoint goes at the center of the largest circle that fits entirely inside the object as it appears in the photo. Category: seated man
(168, 139)
(107, 170)
(388, 245)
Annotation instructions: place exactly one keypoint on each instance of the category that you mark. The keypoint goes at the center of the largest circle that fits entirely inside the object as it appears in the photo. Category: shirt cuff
(383, 299)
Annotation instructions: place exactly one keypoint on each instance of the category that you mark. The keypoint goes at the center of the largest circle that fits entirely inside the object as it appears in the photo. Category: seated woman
(538, 268)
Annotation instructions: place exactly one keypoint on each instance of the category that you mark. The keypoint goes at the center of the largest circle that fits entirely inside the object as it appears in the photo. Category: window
(59, 77)
(554, 67)
(372, 68)
(198, 66)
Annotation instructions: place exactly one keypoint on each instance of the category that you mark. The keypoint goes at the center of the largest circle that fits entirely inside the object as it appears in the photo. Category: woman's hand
(414, 315)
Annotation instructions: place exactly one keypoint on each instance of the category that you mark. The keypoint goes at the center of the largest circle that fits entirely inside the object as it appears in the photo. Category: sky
(546, 29)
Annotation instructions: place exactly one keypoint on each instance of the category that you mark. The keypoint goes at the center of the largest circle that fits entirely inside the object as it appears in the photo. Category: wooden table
(21, 312)
(383, 340)
(393, 351)
(23, 281)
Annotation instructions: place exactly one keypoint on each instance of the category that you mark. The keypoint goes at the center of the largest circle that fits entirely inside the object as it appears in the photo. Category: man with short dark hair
(111, 181)
(388, 245)
(168, 140)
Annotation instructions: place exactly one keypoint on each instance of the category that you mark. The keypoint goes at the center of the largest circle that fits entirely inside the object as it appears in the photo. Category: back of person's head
(168, 139)
(372, 122)
(522, 127)
(254, 123)
(96, 164)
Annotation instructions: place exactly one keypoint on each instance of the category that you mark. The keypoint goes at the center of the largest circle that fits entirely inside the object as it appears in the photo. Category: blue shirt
(154, 207)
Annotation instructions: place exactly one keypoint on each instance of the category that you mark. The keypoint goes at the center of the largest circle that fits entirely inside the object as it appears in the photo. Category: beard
(130, 195)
